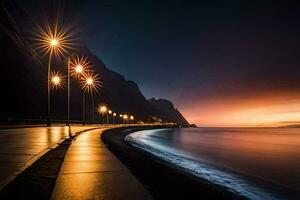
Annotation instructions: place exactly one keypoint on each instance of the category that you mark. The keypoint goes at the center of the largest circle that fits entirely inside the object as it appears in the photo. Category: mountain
(166, 111)
(24, 74)
(21, 74)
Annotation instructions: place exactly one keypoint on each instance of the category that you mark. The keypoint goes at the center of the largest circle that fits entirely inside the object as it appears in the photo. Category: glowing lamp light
(79, 69)
(102, 109)
(53, 39)
(54, 42)
(125, 117)
(115, 114)
(89, 81)
(56, 80)
(131, 117)
(121, 115)
(110, 112)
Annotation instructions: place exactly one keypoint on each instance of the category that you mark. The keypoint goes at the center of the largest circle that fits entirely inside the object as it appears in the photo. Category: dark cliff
(166, 111)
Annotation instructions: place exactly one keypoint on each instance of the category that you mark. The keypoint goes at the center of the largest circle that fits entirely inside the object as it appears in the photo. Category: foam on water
(231, 181)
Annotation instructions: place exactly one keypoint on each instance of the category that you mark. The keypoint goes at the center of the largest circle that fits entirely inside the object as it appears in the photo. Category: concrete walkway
(91, 171)
(20, 147)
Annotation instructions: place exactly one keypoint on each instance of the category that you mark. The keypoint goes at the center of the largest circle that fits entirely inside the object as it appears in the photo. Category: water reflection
(271, 154)
(265, 153)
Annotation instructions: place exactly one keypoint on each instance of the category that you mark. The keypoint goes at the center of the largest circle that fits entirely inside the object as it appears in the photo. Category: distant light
(110, 112)
(121, 115)
(131, 117)
(125, 116)
(115, 114)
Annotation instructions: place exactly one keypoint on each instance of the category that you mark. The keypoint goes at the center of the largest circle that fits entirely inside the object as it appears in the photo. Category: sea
(256, 163)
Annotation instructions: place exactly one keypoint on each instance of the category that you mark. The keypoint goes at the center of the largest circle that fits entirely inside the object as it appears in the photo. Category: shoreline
(162, 180)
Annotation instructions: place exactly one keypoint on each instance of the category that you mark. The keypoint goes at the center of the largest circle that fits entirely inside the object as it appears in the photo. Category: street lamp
(53, 43)
(91, 84)
(114, 115)
(131, 118)
(109, 112)
(79, 66)
(121, 116)
(56, 80)
(125, 117)
(52, 40)
(102, 110)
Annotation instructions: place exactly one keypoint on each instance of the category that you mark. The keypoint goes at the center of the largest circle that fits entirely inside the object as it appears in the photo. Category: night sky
(222, 63)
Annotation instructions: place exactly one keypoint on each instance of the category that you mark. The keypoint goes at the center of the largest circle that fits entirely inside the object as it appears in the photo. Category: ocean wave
(230, 181)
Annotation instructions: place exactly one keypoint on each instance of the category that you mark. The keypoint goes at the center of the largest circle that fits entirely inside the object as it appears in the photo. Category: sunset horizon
(265, 111)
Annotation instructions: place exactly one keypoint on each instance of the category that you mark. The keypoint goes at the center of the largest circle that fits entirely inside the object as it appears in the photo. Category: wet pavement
(91, 171)
(20, 147)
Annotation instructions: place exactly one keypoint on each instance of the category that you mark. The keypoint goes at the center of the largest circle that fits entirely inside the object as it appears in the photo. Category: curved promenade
(91, 171)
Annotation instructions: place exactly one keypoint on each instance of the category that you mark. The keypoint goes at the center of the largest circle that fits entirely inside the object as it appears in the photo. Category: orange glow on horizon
(263, 111)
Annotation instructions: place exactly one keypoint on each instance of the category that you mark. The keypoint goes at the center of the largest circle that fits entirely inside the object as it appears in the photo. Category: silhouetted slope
(122, 95)
(166, 111)
(21, 75)
(24, 74)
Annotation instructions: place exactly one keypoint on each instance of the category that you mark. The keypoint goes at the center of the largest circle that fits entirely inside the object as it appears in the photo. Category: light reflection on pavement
(21, 146)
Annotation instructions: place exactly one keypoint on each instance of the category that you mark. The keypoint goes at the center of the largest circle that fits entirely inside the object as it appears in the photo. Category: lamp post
(114, 115)
(80, 70)
(110, 113)
(90, 83)
(125, 117)
(56, 81)
(53, 43)
(132, 118)
(102, 110)
(52, 40)
(83, 109)
(69, 92)
(79, 67)
(121, 116)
